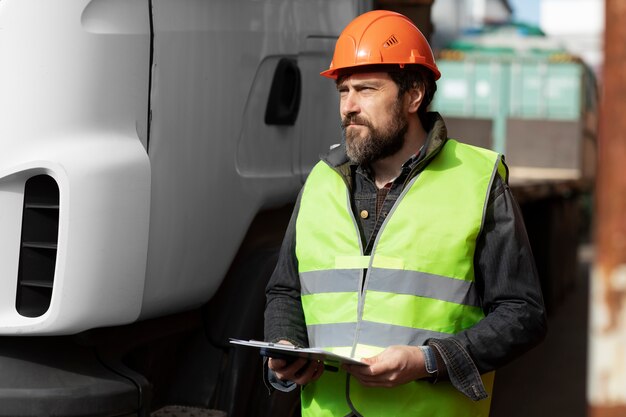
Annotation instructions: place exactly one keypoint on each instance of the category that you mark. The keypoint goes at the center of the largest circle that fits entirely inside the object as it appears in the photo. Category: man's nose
(349, 104)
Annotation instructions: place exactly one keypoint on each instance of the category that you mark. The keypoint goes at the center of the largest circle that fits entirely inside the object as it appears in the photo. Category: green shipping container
(545, 90)
(498, 87)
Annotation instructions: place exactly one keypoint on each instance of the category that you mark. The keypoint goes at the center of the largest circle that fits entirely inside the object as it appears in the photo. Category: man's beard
(378, 143)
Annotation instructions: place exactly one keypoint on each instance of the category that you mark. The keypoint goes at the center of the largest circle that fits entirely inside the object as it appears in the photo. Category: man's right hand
(301, 371)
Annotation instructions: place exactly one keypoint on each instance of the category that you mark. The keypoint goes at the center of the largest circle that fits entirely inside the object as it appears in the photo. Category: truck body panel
(215, 161)
(74, 108)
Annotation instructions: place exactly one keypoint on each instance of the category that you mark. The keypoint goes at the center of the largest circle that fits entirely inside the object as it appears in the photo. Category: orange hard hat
(381, 37)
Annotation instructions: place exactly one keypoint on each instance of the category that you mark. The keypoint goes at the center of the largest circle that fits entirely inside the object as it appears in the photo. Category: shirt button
(364, 214)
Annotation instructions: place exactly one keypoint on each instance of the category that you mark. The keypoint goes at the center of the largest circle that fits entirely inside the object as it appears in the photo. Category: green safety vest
(417, 283)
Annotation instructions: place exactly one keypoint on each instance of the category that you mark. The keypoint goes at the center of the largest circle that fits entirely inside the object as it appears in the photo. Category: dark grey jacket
(506, 277)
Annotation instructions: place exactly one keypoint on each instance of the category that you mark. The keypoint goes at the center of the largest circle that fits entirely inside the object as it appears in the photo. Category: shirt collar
(406, 168)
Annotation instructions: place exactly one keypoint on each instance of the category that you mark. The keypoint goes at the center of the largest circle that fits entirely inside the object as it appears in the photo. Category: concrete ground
(550, 380)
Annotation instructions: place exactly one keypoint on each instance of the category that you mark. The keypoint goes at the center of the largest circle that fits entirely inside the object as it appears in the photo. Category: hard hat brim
(335, 73)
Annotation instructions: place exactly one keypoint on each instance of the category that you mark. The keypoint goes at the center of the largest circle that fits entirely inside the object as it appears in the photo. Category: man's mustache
(354, 119)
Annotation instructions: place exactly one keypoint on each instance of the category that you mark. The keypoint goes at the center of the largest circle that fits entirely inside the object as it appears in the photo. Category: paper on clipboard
(289, 350)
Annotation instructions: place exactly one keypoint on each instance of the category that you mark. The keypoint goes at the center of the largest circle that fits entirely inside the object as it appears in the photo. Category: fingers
(386, 381)
(372, 376)
(395, 366)
(301, 371)
(310, 373)
(283, 369)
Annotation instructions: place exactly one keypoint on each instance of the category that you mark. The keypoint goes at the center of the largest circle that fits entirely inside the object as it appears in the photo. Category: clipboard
(277, 350)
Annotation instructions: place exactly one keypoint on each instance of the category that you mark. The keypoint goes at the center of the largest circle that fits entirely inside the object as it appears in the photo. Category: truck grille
(38, 251)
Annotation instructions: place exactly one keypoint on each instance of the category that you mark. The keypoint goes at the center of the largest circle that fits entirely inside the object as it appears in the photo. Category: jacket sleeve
(284, 317)
(507, 281)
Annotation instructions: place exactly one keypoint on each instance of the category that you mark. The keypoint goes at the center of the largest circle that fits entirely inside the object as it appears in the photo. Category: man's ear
(416, 96)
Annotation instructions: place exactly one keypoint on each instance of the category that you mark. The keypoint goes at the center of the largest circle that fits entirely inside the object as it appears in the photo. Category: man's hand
(394, 366)
(301, 371)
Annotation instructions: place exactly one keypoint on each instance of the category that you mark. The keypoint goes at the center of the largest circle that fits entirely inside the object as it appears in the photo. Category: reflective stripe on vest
(419, 282)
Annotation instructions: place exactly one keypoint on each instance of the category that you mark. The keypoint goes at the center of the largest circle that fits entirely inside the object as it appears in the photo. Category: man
(405, 249)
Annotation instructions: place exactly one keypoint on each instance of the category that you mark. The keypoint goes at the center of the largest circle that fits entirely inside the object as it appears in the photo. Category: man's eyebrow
(360, 83)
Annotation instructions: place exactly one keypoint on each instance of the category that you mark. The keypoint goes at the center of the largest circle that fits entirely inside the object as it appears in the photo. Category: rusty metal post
(607, 354)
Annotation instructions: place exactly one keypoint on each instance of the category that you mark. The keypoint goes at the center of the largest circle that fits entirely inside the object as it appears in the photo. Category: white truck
(150, 151)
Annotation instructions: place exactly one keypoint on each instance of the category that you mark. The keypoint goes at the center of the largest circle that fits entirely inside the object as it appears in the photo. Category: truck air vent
(38, 251)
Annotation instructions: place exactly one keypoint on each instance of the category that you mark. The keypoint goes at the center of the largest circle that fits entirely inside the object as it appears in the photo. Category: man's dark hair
(415, 76)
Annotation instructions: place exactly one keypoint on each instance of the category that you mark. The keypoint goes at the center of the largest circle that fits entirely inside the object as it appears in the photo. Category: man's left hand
(394, 366)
